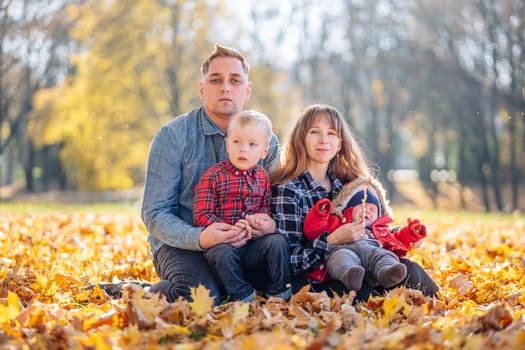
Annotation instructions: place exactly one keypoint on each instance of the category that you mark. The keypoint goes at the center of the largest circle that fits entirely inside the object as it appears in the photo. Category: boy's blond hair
(251, 116)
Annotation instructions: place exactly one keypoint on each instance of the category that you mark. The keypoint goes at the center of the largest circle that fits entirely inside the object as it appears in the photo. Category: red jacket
(319, 220)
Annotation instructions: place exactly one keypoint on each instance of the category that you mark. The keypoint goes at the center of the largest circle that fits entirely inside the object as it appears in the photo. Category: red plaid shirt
(226, 194)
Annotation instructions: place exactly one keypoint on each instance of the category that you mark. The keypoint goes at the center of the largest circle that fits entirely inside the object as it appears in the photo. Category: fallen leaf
(201, 302)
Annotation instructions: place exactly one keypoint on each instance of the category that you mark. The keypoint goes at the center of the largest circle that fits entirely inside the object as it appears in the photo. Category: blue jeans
(262, 264)
(180, 269)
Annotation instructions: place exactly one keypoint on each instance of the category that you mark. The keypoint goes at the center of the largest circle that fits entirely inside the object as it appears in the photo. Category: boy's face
(246, 145)
(370, 210)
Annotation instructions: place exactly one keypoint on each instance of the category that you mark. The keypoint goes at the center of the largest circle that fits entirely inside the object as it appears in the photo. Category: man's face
(225, 88)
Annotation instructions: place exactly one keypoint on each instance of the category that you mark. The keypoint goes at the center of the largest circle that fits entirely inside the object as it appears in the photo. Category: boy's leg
(383, 265)
(180, 269)
(344, 265)
(226, 262)
(267, 264)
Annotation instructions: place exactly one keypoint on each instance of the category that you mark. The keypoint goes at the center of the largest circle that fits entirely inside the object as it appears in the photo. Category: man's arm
(160, 205)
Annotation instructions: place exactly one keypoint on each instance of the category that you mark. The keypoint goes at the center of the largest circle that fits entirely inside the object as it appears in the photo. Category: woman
(322, 155)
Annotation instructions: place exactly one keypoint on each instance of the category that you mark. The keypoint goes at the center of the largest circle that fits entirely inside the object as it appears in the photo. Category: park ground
(51, 252)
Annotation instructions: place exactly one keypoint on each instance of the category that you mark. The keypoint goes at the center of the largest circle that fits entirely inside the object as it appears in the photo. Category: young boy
(362, 201)
(237, 192)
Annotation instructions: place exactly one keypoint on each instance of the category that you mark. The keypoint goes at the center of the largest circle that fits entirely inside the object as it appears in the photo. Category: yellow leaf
(391, 307)
(202, 302)
(149, 307)
(173, 329)
(240, 312)
(95, 295)
(9, 312)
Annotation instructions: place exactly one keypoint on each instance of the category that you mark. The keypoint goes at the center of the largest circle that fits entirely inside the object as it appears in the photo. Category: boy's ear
(265, 152)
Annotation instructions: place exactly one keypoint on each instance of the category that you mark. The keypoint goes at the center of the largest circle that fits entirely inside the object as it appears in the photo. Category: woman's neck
(320, 173)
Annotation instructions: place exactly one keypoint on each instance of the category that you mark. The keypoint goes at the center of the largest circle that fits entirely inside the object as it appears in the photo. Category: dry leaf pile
(47, 260)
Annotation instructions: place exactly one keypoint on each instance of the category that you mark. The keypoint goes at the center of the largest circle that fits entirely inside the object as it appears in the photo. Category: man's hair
(224, 51)
(250, 116)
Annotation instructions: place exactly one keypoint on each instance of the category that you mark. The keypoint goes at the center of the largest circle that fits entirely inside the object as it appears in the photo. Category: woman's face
(322, 141)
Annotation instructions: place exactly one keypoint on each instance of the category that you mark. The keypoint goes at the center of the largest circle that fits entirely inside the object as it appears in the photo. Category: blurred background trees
(434, 90)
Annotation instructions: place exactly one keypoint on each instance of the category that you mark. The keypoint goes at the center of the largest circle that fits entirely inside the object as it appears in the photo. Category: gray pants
(367, 253)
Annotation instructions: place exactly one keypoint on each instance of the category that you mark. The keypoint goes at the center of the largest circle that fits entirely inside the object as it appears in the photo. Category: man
(179, 154)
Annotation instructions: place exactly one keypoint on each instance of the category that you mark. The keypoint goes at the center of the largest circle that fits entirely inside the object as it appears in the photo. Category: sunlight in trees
(85, 84)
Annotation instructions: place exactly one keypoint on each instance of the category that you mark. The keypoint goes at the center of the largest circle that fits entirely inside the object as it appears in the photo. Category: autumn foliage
(47, 260)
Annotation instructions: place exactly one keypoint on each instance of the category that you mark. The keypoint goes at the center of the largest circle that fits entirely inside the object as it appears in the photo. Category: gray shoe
(115, 289)
(389, 276)
(353, 277)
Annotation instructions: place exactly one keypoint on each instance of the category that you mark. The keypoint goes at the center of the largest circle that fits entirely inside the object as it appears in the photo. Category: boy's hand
(325, 207)
(416, 228)
(261, 224)
(245, 226)
(418, 231)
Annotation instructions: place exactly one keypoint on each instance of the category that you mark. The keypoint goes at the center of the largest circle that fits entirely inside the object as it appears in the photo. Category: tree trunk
(28, 167)
(462, 150)
(494, 160)
(389, 159)
(514, 170)
(175, 55)
(486, 161)
(484, 184)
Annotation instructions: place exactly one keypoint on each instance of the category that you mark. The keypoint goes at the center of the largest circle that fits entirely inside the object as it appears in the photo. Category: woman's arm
(289, 207)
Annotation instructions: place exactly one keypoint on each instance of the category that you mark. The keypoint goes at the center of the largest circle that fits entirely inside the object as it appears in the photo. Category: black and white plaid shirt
(291, 201)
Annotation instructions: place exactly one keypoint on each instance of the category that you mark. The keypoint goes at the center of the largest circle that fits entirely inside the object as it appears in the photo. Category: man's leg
(181, 269)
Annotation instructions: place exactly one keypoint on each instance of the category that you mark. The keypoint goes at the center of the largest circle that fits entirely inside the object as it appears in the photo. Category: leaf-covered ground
(48, 258)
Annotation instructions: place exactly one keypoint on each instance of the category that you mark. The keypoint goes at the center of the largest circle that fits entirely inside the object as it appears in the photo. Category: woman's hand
(347, 233)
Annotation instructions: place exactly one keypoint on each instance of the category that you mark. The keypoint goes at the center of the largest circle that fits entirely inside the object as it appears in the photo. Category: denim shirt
(179, 154)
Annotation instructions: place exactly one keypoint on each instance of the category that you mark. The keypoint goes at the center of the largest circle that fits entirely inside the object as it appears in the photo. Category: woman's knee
(418, 278)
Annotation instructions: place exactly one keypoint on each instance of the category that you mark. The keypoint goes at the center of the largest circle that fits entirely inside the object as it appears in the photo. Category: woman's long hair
(349, 164)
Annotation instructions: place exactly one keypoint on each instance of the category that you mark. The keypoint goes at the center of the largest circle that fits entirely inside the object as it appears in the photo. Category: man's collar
(209, 127)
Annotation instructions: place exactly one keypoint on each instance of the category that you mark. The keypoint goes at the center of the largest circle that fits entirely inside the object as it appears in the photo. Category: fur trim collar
(340, 202)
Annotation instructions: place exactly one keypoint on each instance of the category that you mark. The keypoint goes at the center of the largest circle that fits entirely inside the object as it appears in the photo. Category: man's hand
(219, 232)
